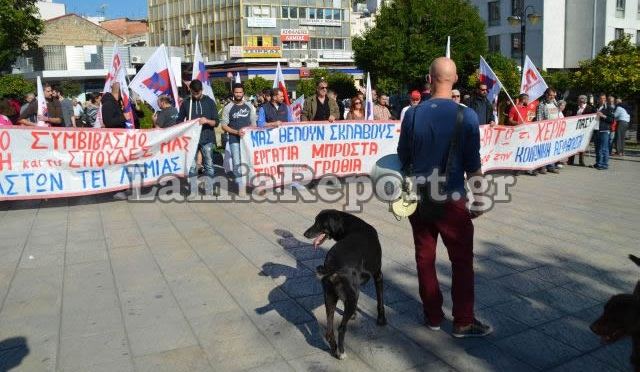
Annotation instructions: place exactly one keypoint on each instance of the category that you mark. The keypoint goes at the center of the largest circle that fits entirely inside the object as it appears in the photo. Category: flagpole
(503, 88)
(193, 70)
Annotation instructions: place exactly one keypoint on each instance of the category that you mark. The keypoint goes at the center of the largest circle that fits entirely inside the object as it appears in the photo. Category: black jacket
(483, 108)
(202, 108)
(112, 115)
(605, 122)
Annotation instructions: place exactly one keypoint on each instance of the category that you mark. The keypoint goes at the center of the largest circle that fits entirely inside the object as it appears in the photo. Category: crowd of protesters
(269, 110)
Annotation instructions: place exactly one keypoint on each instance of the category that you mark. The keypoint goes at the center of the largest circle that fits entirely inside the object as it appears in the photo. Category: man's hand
(492, 123)
(43, 118)
(331, 118)
(154, 117)
(600, 114)
(475, 210)
(241, 133)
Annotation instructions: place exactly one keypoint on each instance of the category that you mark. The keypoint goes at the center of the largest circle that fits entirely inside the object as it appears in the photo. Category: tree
(507, 71)
(20, 27)
(343, 84)
(615, 70)
(256, 85)
(221, 89)
(71, 88)
(410, 34)
(15, 86)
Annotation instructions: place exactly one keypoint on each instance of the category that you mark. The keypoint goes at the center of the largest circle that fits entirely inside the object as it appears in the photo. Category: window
(285, 12)
(619, 33)
(319, 13)
(338, 44)
(289, 45)
(516, 45)
(336, 14)
(620, 8)
(311, 13)
(494, 13)
(494, 44)
(516, 6)
(293, 12)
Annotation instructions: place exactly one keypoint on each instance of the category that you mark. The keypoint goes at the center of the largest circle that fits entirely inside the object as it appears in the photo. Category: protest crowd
(224, 120)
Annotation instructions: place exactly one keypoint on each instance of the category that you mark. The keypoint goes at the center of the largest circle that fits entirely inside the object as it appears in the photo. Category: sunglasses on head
(322, 87)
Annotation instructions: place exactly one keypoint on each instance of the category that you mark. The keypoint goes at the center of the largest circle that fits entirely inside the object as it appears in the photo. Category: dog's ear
(335, 225)
(635, 259)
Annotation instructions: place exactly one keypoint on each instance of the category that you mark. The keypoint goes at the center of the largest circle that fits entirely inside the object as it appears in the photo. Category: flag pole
(503, 88)
(193, 69)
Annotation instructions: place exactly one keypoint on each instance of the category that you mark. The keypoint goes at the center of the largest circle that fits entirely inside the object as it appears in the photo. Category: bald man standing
(431, 134)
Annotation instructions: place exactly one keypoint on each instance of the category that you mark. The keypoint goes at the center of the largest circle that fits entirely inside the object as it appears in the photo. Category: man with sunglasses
(481, 105)
(319, 107)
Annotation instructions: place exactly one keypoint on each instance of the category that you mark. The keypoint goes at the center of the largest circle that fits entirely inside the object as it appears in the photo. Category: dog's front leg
(330, 302)
(382, 319)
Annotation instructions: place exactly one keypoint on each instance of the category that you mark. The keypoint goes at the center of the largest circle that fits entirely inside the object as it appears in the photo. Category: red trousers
(456, 229)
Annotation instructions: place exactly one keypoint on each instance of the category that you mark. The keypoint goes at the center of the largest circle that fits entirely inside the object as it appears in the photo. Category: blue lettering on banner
(38, 182)
(151, 169)
(261, 138)
(567, 145)
(361, 131)
(98, 178)
(533, 153)
(296, 133)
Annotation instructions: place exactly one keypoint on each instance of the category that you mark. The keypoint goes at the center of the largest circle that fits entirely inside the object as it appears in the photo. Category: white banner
(61, 162)
(347, 148)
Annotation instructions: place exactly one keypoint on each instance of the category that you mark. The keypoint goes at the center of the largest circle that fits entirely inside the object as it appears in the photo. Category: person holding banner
(236, 116)
(202, 107)
(606, 115)
(519, 113)
(319, 107)
(54, 110)
(430, 134)
(275, 111)
(584, 108)
(481, 105)
(112, 108)
(167, 115)
(548, 109)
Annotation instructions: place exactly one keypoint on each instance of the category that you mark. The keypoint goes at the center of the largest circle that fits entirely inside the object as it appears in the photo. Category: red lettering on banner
(548, 130)
(341, 166)
(502, 156)
(333, 150)
(275, 155)
(36, 139)
(5, 140)
(5, 160)
(179, 143)
(524, 134)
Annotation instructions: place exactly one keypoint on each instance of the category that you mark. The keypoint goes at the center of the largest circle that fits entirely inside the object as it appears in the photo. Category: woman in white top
(622, 119)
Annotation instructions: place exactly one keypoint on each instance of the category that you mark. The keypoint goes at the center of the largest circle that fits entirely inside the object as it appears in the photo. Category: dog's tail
(322, 272)
(635, 259)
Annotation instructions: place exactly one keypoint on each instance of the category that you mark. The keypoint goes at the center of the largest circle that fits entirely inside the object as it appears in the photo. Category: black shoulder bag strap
(453, 146)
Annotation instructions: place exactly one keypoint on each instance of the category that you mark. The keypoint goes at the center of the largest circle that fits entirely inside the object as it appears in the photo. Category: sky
(134, 9)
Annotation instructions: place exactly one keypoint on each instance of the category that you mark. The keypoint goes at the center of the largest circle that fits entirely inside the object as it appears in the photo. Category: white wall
(50, 10)
(553, 34)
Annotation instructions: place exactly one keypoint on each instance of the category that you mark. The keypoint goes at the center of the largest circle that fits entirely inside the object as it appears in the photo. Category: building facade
(48, 9)
(134, 32)
(301, 32)
(568, 31)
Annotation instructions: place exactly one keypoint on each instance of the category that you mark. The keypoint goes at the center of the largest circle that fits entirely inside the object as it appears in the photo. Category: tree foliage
(255, 85)
(410, 34)
(71, 88)
(507, 71)
(20, 27)
(15, 86)
(221, 89)
(615, 70)
(343, 84)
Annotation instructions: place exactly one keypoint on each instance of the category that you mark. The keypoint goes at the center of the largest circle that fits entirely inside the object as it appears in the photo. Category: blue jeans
(207, 160)
(236, 159)
(602, 149)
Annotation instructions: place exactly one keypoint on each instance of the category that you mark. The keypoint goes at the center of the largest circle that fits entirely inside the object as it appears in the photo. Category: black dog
(621, 318)
(354, 259)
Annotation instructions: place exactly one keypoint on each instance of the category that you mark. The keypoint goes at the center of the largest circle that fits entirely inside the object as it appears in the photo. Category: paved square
(93, 284)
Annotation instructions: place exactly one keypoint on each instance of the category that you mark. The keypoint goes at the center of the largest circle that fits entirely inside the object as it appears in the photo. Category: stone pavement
(92, 284)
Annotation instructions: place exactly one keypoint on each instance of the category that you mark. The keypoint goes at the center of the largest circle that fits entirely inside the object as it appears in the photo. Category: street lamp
(520, 17)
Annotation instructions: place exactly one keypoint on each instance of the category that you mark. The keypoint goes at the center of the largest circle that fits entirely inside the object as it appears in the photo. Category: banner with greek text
(320, 148)
(60, 162)
(532, 145)
(345, 148)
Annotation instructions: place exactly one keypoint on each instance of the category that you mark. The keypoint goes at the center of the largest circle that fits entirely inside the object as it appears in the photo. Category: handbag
(408, 203)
